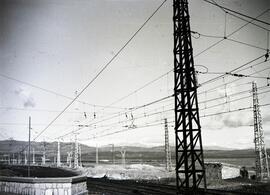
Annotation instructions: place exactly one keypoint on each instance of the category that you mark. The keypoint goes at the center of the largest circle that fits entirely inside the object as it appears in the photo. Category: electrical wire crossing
(102, 69)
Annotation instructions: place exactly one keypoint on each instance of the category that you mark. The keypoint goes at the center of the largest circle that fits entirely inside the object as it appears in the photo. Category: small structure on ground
(219, 171)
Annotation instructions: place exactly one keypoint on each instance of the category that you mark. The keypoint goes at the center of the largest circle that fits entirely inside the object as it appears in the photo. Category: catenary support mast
(167, 147)
(190, 171)
(261, 162)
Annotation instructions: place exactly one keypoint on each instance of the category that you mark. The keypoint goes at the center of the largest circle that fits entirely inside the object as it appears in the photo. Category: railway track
(113, 187)
(131, 187)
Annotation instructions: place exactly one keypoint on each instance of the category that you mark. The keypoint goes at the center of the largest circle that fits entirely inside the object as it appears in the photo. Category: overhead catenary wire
(239, 16)
(121, 113)
(239, 68)
(235, 31)
(237, 12)
(161, 76)
(235, 69)
(236, 75)
(248, 22)
(52, 92)
(229, 39)
(157, 124)
(155, 113)
(102, 69)
(230, 82)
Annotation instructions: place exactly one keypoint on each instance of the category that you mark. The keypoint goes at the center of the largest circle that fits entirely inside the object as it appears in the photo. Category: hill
(14, 146)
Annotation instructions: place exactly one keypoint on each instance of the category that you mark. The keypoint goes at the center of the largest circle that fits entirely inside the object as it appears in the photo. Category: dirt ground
(225, 187)
(107, 186)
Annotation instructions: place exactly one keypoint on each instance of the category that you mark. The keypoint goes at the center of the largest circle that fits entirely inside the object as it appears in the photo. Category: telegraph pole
(76, 153)
(190, 171)
(261, 162)
(58, 154)
(80, 155)
(96, 154)
(34, 161)
(123, 155)
(29, 147)
(25, 158)
(112, 150)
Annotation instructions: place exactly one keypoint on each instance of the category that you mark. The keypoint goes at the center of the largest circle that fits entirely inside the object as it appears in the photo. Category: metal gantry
(261, 162)
(190, 171)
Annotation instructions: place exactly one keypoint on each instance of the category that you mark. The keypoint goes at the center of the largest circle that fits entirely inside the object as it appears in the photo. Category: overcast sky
(61, 45)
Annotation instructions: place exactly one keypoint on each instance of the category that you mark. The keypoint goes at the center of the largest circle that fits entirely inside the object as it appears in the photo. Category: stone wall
(44, 186)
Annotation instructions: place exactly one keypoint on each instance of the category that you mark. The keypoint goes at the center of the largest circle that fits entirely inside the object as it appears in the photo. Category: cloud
(26, 97)
(231, 120)
(236, 120)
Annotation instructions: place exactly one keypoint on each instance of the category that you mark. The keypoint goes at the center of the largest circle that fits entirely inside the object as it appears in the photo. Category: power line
(42, 110)
(230, 72)
(51, 91)
(161, 76)
(204, 116)
(228, 102)
(235, 75)
(140, 88)
(239, 17)
(145, 105)
(143, 115)
(122, 130)
(232, 40)
(148, 104)
(236, 30)
(236, 12)
(103, 68)
(225, 84)
(118, 114)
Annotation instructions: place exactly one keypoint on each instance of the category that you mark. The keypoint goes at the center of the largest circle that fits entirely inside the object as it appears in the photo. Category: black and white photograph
(127, 97)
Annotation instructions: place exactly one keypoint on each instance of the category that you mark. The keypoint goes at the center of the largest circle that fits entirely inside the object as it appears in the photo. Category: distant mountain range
(14, 146)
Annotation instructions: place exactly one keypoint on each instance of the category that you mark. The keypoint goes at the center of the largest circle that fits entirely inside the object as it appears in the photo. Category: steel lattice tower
(190, 169)
(167, 147)
(261, 163)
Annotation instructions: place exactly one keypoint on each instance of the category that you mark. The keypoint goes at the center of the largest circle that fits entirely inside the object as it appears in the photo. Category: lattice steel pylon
(167, 147)
(190, 171)
(261, 162)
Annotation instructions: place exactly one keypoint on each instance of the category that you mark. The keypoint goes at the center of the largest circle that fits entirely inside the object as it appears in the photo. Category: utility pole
(34, 161)
(123, 155)
(58, 154)
(25, 158)
(112, 151)
(167, 147)
(96, 154)
(261, 162)
(76, 159)
(190, 170)
(69, 159)
(44, 153)
(80, 155)
(29, 147)
(43, 158)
